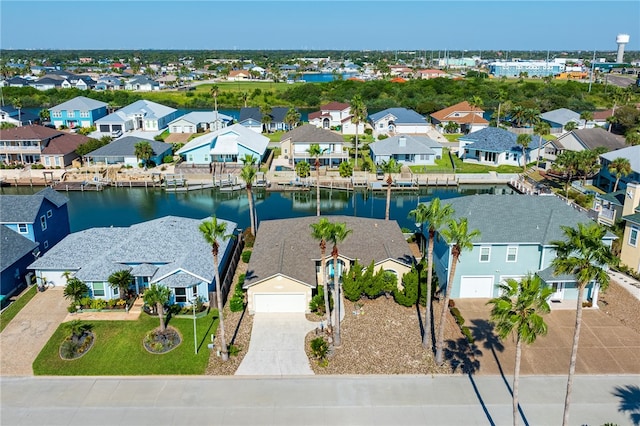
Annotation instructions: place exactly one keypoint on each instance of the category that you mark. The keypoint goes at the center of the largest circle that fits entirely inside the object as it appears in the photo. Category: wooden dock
(78, 186)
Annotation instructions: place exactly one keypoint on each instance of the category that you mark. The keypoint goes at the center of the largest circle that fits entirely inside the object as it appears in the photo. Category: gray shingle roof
(413, 145)
(126, 147)
(498, 140)
(402, 116)
(631, 153)
(548, 276)
(236, 133)
(277, 114)
(197, 117)
(313, 134)
(24, 208)
(151, 110)
(80, 103)
(517, 218)
(598, 137)
(13, 247)
(285, 246)
(561, 116)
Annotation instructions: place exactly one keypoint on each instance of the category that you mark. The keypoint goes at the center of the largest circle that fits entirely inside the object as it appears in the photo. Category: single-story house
(398, 120)
(227, 145)
(251, 117)
(123, 151)
(61, 150)
(468, 119)
(336, 115)
(184, 264)
(558, 118)
(238, 75)
(200, 121)
(581, 140)
(600, 118)
(78, 112)
(141, 115)
(630, 247)
(494, 146)
(295, 144)
(430, 73)
(17, 117)
(516, 232)
(284, 269)
(141, 83)
(606, 180)
(410, 150)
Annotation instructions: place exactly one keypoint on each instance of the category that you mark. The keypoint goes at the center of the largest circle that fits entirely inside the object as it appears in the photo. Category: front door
(558, 291)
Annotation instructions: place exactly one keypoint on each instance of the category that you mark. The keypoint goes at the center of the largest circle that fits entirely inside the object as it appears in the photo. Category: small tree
(121, 280)
(303, 169)
(346, 169)
(143, 152)
(158, 296)
(524, 140)
(75, 290)
(619, 167)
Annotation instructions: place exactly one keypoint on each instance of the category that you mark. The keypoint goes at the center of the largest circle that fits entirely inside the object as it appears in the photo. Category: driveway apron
(277, 346)
(25, 336)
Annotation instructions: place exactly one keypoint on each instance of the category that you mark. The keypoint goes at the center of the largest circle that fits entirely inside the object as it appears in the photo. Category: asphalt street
(326, 400)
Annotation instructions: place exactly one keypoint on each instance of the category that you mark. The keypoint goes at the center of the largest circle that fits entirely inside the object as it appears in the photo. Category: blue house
(516, 235)
(123, 151)
(77, 112)
(184, 265)
(558, 118)
(406, 149)
(42, 219)
(251, 117)
(227, 145)
(606, 180)
(494, 146)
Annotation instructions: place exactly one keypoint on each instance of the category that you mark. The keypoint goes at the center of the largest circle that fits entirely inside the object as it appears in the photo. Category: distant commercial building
(532, 68)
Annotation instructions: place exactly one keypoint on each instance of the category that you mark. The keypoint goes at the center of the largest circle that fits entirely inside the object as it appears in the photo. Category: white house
(398, 120)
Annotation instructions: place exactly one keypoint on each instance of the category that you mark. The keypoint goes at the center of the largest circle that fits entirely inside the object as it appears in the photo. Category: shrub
(236, 304)
(234, 350)
(351, 282)
(248, 237)
(69, 349)
(98, 304)
(408, 295)
(368, 132)
(467, 333)
(317, 304)
(346, 169)
(72, 308)
(382, 137)
(246, 255)
(319, 348)
(240, 283)
(167, 159)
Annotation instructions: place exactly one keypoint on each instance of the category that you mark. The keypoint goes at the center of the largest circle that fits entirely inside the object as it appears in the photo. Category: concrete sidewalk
(630, 284)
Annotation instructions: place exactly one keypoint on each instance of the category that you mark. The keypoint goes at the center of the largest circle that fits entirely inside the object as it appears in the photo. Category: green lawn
(118, 349)
(13, 309)
(452, 137)
(443, 165)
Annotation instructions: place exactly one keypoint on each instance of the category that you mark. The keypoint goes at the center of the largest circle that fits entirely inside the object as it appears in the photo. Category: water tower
(621, 39)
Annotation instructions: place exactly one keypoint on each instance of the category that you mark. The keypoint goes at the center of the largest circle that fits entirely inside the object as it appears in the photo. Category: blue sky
(319, 24)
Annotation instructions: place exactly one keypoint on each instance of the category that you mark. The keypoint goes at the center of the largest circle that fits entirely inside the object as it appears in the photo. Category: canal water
(127, 206)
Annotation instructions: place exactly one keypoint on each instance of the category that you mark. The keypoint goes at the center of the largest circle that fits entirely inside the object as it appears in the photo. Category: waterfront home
(141, 115)
(252, 117)
(336, 116)
(410, 150)
(284, 269)
(398, 120)
(184, 264)
(109, 82)
(516, 235)
(61, 150)
(141, 83)
(24, 144)
(123, 151)
(17, 117)
(295, 145)
(630, 247)
(581, 140)
(606, 180)
(200, 121)
(600, 118)
(16, 253)
(227, 145)
(495, 147)
(559, 118)
(77, 112)
(467, 119)
(609, 206)
(42, 219)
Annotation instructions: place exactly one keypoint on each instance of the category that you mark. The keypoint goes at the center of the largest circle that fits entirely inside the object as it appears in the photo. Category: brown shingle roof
(28, 133)
(602, 115)
(334, 106)
(462, 108)
(311, 133)
(64, 144)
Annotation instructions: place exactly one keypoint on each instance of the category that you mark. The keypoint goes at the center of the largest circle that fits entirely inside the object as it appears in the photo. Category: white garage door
(480, 287)
(279, 302)
(56, 276)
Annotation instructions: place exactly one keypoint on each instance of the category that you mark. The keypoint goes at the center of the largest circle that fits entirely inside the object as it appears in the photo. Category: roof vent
(402, 141)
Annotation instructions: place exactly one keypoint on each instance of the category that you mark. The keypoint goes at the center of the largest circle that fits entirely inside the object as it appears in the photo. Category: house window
(512, 254)
(43, 222)
(71, 114)
(195, 291)
(181, 295)
(485, 254)
(22, 228)
(84, 114)
(206, 158)
(46, 244)
(633, 237)
(190, 158)
(49, 213)
(98, 289)
(56, 114)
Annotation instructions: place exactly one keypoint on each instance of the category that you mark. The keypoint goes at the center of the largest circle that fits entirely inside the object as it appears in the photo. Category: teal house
(227, 145)
(516, 235)
(78, 112)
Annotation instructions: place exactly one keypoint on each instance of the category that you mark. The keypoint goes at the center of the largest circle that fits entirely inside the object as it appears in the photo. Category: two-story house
(25, 144)
(295, 145)
(336, 116)
(493, 146)
(77, 112)
(630, 247)
(398, 120)
(467, 119)
(607, 180)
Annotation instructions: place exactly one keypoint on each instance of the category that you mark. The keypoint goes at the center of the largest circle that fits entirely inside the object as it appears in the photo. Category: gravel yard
(617, 303)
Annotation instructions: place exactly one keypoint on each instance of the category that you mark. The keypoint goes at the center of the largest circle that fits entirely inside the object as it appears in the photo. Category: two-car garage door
(279, 302)
(476, 286)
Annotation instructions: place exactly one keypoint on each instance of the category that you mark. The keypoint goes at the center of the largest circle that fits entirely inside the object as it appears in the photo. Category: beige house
(630, 248)
(285, 267)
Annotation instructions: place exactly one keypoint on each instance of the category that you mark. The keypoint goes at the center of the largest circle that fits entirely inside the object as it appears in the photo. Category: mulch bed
(161, 342)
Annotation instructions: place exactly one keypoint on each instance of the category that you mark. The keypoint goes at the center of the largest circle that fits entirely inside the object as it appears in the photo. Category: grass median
(13, 309)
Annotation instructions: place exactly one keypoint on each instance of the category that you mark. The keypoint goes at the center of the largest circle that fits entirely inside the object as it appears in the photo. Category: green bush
(248, 237)
(246, 255)
(346, 169)
(317, 304)
(368, 131)
(351, 282)
(69, 349)
(319, 348)
(167, 159)
(98, 304)
(234, 350)
(37, 166)
(408, 295)
(382, 137)
(236, 304)
(467, 333)
(72, 308)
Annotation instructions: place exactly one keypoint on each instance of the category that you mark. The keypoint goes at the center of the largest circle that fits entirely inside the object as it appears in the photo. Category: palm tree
(292, 117)
(44, 115)
(17, 104)
(518, 115)
(586, 116)
(121, 280)
(358, 115)
(320, 232)
(389, 167)
(475, 102)
(435, 214)
(244, 96)
(541, 128)
(336, 233)
(632, 137)
(501, 97)
(248, 174)
(212, 231)
(303, 169)
(584, 255)
(214, 93)
(158, 296)
(266, 118)
(571, 125)
(524, 140)
(75, 290)
(315, 151)
(569, 163)
(143, 152)
(619, 167)
(518, 311)
(459, 238)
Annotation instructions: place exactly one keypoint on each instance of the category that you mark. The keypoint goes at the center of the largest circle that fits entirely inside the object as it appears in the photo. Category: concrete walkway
(631, 284)
(25, 336)
(277, 346)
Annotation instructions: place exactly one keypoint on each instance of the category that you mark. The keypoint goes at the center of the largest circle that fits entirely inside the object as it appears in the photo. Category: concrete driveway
(25, 336)
(277, 346)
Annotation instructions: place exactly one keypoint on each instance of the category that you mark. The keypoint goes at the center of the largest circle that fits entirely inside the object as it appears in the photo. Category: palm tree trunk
(426, 338)
(615, 187)
(160, 310)
(327, 305)
(443, 313)
(516, 380)
(574, 355)
(251, 212)
(222, 340)
(337, 341)
(317, 187)
(356, 160)
(386, 212)
(498, 118)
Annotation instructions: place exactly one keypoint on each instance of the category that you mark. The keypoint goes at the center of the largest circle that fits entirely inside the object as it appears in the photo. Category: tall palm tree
(158, 296)
(459, 238)
(474, 102)
(214, 93)
(568, 161)
(248, 174)
(518, 311)
(212, 231)
(320, 232)
(584, 255)
(541, 128)
(121, 280)
(358, 115)
(337, 233)
(389, 167)
(524, 140)
(315, 151)
(619, 167)
(435, 214)
(244, 97)
(17, 104)
(292, 117)
(501, 97)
